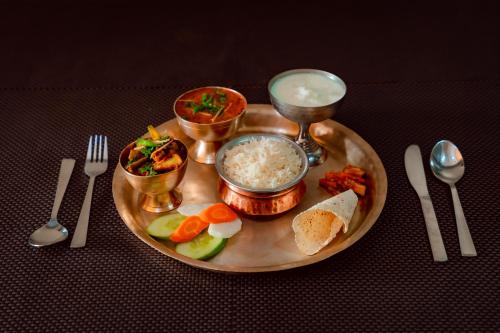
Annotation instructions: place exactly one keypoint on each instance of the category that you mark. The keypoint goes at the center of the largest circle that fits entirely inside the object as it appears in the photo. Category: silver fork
(95, 165)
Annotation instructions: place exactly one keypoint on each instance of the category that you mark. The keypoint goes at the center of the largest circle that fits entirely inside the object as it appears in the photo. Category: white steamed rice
(262, 164)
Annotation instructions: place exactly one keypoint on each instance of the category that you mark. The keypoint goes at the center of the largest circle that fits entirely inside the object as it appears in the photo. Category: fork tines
(98, 149)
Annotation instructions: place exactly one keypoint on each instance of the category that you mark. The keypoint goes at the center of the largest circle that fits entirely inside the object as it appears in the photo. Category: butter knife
(415, 171)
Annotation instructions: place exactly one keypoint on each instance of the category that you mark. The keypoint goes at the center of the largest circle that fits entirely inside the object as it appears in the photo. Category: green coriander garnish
(211, 103)
(147, 169)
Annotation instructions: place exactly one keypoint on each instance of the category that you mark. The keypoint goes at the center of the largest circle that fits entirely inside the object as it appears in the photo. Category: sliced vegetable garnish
(225, 230)
(162, 227)
(153, 132)
(146, 146)
(188, 229)
(218, 213)
(202, 247)
(192, 209)
(145, 142)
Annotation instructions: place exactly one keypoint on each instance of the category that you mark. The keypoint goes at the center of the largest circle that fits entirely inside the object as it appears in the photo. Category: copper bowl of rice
(261, 174)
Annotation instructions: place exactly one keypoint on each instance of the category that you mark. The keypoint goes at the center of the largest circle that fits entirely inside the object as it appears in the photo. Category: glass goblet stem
(315, 153)
(304, 139)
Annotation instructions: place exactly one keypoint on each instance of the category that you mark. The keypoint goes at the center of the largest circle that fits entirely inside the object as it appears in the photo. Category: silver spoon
(447, 164)
(54, 232)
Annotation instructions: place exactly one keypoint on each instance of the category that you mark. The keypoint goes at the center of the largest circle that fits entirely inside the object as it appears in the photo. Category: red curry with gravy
(209, 105)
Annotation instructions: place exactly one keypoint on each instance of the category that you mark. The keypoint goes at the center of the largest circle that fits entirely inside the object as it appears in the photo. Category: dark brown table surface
(414, 75)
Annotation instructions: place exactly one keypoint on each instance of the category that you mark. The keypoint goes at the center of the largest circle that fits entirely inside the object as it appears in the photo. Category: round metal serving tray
(266, 244)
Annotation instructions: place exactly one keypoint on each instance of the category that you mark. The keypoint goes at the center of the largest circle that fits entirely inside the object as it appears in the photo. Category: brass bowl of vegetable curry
(154, 167)
(209, 115)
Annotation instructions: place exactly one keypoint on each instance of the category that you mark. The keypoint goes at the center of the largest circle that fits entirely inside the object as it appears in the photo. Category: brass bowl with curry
(209, 115)
(154, 166)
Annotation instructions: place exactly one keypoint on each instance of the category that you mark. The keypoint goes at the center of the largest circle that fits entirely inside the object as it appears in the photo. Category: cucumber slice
(202, 247)
(164, 226)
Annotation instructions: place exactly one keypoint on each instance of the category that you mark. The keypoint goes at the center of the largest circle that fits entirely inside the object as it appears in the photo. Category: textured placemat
(387, 281)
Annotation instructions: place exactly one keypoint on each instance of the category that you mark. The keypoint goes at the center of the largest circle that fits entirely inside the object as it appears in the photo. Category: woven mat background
(386, 281)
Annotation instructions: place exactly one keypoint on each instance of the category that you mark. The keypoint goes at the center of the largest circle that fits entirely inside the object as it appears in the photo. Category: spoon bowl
(48, 234)
(447, 164)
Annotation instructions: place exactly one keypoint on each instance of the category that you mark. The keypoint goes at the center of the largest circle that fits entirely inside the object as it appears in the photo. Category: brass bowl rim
(249, 191)
(129, 174)
(332, 76)
(193, 123)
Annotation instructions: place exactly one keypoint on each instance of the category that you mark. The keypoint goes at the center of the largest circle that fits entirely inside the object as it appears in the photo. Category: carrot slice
(218, 213)
(188, 229)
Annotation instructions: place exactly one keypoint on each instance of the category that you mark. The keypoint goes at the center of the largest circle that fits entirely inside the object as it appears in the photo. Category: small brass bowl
(208, 137)
(257, 201)
(160, 193)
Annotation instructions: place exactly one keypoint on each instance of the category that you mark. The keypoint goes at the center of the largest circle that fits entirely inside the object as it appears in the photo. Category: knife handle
(437, 245)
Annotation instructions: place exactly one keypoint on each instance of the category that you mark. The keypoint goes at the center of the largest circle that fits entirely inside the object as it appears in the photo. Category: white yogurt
(307, 89)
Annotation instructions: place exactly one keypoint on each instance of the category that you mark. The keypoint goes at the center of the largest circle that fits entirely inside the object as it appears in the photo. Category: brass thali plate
(265, 244)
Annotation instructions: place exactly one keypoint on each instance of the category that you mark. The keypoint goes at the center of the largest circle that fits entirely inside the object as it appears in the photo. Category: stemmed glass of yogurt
(307, 96)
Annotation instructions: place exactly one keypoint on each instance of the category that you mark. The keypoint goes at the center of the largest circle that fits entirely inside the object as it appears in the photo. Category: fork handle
(466, 244)
(80, 236)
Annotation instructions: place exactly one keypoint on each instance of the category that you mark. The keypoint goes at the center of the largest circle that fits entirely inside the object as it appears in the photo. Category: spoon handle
(466, 245)
(67, 165)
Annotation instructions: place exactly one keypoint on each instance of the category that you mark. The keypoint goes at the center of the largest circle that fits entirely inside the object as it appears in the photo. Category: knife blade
(415, 172)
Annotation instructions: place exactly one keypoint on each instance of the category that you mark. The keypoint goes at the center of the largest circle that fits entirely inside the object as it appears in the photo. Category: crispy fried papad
(317, 227)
